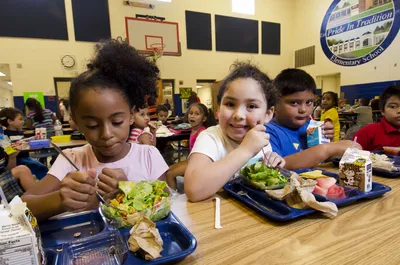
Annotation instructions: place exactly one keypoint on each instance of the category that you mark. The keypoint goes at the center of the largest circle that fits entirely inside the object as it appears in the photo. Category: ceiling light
(199, 86)
(1, 74)
(10, 83)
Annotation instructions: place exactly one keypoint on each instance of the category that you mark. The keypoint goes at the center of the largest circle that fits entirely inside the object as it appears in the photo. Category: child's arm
(311, 157)
(174, 171)
(12, 159)
(49, 197)
(145, 138)
(29, 123)
(203, 177)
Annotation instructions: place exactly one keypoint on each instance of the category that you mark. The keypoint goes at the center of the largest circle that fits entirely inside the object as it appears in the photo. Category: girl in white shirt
(246, 100)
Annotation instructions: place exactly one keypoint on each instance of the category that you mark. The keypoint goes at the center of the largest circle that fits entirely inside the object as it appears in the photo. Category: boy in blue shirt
(288, 130)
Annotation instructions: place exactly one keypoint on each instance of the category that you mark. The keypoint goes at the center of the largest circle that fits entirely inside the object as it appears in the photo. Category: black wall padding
(91, 20)
(271, 38)
(198, 30)
(236, 34)
(33, 19)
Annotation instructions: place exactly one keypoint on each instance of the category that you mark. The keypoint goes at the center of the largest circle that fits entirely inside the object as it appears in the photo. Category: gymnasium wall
(40, 59)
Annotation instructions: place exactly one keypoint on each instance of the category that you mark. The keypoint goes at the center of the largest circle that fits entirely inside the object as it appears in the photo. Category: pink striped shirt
(136, 133)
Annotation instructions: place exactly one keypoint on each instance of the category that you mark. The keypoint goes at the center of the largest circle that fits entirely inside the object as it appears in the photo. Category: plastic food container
(106, 248)
(61, 138)
(39, 143)
(394, 151)
(156, 213)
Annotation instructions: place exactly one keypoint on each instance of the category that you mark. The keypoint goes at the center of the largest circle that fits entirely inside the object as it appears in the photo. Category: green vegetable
(263, 177)
(149, 198)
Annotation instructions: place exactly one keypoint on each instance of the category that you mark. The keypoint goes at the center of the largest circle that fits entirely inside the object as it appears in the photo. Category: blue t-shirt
(287, 141)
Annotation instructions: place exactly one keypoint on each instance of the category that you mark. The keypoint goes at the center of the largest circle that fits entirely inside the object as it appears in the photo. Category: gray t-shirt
(364, 115)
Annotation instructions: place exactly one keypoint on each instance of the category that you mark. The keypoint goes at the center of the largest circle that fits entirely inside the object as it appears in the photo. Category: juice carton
(314, 134)
(355, 170)
(40, 133)
(5, 143)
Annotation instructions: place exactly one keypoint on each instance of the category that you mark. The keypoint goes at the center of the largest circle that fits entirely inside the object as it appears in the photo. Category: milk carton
(314, 134)
(20, 241)
(355, 170)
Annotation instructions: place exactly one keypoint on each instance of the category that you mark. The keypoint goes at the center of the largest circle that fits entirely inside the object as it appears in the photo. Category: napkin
(144, 237)
(298, 194)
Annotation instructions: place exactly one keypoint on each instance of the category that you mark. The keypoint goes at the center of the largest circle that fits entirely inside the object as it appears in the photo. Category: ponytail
(33, 104)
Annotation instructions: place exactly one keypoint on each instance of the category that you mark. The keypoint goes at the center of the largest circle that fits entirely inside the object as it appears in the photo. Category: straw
(4, 199)
(58, 149)
(217, 213)
(354, 142)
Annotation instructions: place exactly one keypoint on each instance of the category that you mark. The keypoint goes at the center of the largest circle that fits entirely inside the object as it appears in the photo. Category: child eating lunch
(102, 106)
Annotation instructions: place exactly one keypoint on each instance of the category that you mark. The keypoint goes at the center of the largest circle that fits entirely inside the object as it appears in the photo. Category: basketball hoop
(158, 50)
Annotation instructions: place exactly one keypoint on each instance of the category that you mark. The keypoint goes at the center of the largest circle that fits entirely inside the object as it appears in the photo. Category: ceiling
(5, 69)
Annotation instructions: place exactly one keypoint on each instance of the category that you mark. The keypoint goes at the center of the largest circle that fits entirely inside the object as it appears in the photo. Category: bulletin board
(36, 95)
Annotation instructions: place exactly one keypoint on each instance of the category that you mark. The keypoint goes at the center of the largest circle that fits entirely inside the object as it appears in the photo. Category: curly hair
(8, 114)
(117, 66)
(248, 70)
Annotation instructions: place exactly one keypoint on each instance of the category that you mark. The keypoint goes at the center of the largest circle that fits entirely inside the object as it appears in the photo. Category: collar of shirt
(388, 127)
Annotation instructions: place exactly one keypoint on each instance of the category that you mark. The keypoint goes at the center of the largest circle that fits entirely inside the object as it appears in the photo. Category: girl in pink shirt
(102, 106)
(200, 118)
(141, 121)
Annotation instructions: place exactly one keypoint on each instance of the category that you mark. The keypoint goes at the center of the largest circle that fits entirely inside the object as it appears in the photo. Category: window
(243, 6)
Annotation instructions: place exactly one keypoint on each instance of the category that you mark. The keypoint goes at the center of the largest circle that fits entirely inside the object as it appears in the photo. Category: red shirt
(377, 135)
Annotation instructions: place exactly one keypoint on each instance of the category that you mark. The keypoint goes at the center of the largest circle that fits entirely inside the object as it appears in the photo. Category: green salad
(262, 177)
(145, 197)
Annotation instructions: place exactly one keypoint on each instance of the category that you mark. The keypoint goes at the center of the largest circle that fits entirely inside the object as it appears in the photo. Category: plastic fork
(244, 193)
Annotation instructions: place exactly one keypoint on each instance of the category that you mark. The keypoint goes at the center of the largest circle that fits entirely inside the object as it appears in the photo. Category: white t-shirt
(66, 113)
(210, 143)
(143, 162)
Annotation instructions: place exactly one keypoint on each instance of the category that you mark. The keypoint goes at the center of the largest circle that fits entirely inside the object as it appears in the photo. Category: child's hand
(255, 139)
(108, 180)
(328, 130)
(77, 191)
(338, 148)
(273, 160)
(153, 125)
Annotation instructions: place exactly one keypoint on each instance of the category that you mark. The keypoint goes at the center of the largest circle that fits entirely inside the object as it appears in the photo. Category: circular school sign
(355, 32)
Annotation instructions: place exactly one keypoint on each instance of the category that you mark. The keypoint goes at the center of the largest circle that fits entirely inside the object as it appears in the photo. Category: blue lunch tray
(178, 241)
(280, 211)
(58, 231)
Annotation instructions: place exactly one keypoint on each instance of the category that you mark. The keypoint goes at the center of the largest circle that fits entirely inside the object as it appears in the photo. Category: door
(215, 89)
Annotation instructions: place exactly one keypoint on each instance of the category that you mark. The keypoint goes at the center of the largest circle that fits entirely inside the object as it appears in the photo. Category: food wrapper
(20, 240)
(314, 134)
(383, 162)
(298, 194)
(144, 237)
(355, 170)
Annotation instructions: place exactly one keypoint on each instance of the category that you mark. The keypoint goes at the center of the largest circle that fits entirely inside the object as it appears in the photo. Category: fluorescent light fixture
(243, 7)
(165, 1)
(199, 86)
(1, 74)
(10, 83)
